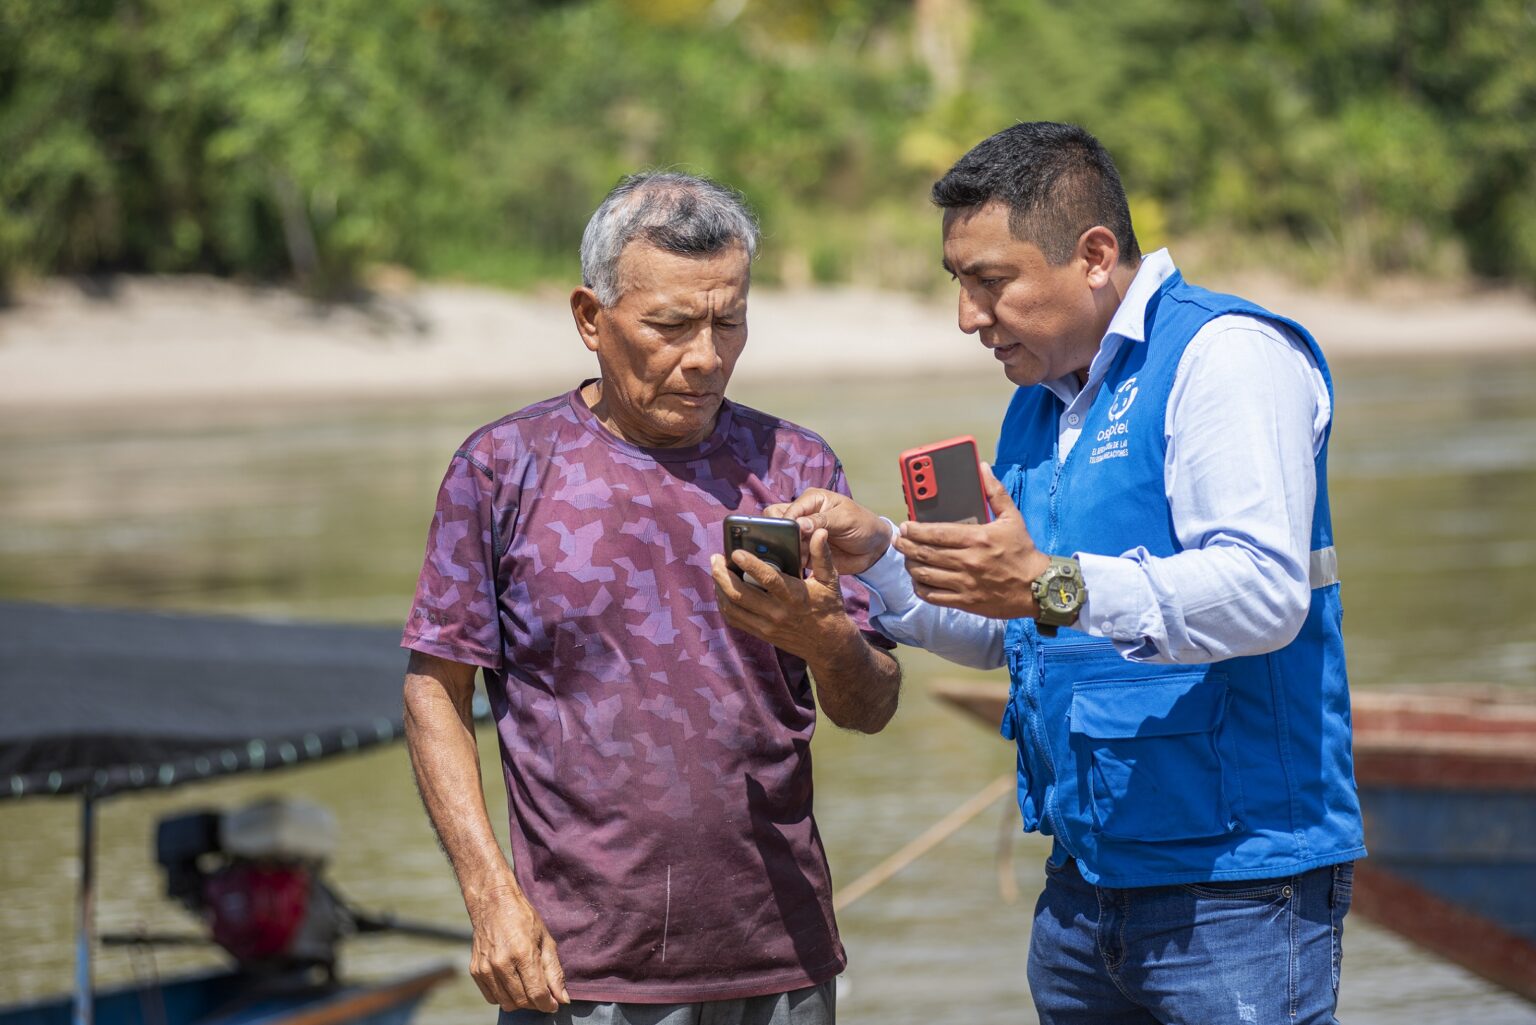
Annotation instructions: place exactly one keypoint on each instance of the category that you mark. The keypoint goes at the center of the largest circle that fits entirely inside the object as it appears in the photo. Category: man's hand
(857, 684)
(857, 536)
(982, 568)
(803, 617)
(514, 960)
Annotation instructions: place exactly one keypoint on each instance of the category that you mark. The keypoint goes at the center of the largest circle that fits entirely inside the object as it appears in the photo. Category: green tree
(471, 138)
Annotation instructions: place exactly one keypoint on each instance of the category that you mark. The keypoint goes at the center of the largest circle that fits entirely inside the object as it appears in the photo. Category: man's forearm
(961, 637)
(440, 736)
(858, 684)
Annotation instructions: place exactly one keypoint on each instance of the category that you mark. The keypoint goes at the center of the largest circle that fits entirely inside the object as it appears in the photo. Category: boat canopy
(100, 701)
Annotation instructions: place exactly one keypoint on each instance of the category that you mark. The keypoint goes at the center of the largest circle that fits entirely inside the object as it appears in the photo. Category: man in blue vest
(1160, 581)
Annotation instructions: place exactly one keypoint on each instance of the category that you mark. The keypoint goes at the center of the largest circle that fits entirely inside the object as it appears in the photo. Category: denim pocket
(1153, 756)
(1265, 890)
(1343, 887)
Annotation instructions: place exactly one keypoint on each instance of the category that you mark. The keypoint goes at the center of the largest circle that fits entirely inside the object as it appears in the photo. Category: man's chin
(685, 423)
(1023, 376)
(685, 403)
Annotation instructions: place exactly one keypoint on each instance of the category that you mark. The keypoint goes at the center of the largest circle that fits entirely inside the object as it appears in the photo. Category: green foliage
(254, 136)
(472, 138)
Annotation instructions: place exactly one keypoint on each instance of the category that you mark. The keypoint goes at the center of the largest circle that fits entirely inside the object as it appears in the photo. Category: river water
(318, 511)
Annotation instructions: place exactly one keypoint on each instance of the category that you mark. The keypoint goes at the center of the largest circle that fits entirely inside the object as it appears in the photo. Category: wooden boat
(241, 998)
(101, 702)
(1448, 788)
(1447, 783)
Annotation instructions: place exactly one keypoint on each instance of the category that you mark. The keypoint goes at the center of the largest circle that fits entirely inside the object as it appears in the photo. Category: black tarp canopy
(101, 701)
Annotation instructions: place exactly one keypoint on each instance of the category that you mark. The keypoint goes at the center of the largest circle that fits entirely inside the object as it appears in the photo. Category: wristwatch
(1061, 593)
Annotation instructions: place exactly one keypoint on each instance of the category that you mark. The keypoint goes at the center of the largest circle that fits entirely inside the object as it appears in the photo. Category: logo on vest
(1124, 396)
(1113, 442)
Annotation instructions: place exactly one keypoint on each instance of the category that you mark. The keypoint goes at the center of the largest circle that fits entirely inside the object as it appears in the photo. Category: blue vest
(1158, 774)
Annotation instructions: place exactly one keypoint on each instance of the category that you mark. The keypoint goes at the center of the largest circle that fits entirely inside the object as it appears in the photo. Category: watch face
(1063, 593)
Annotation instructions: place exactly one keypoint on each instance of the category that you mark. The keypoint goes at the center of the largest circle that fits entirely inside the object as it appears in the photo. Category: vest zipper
(1052, 815)
(1050, 811)
(1054, 535)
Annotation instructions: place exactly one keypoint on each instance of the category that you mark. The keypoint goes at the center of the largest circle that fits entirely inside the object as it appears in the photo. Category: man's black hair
(1056, 180)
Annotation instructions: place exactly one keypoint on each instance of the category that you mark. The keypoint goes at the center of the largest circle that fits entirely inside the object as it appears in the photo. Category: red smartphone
(942, 483)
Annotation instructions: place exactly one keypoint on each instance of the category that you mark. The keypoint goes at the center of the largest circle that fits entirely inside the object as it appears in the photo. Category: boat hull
(240, 998)
(1448, 790)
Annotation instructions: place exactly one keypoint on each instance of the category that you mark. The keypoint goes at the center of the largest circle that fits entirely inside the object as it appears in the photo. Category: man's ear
(585, 309)
(1100, 252)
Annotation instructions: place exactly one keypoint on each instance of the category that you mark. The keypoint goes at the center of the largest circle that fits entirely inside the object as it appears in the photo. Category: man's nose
(701, 355)
(973, 315)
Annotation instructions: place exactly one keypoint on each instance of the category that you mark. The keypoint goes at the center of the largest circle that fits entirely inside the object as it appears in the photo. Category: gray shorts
(815, 1005)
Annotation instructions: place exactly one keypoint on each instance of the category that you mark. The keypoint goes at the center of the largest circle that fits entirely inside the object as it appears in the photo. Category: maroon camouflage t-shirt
(657, 761)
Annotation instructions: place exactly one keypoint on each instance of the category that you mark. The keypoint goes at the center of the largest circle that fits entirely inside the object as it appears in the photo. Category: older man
(654, 715)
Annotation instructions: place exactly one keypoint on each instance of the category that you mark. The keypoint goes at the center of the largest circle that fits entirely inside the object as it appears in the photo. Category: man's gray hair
(681, 213)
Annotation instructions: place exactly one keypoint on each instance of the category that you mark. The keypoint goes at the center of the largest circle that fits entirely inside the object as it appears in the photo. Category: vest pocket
(1151, 754)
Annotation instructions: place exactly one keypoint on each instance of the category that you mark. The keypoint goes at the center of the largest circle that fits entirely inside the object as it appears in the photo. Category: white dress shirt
(1247, 414)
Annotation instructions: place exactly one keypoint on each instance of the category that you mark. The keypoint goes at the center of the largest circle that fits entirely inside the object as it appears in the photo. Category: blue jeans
(1259, 952)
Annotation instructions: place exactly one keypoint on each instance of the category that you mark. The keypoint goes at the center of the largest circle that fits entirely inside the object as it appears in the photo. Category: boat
(242, 998)
(103, 702)
(1447, 779)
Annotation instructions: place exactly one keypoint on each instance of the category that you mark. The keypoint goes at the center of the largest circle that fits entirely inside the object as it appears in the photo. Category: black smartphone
(942, 483)
(775, 541)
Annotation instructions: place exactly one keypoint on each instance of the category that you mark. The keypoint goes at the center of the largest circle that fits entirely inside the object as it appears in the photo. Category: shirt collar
(1129, 323)
(1130, 320)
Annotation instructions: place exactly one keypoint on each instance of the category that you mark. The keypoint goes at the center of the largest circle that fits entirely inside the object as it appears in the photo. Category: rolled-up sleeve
(1247, 415)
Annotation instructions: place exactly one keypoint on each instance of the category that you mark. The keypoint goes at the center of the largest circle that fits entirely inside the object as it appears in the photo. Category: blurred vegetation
(471, 138)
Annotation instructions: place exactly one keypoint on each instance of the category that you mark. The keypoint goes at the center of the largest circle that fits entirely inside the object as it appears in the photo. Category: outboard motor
(255, 877)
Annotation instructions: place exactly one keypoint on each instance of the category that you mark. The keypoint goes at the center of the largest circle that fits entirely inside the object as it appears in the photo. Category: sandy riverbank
(189, 339)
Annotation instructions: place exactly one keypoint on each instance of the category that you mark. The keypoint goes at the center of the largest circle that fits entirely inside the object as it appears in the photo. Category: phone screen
(775, 541)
